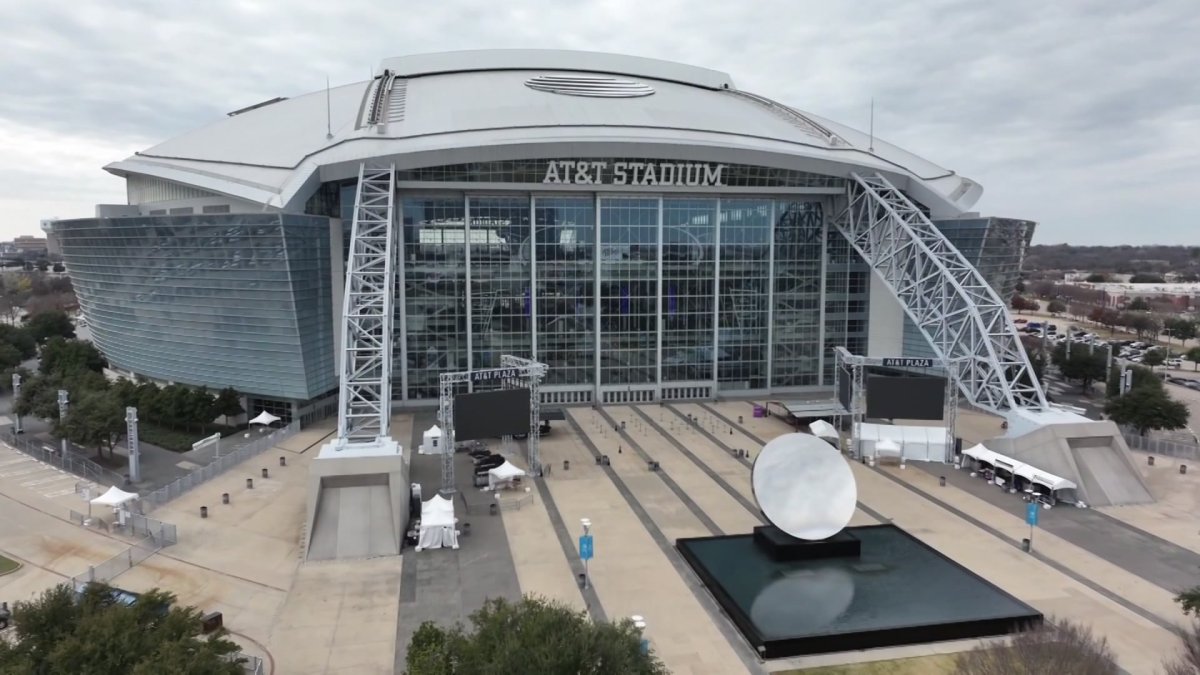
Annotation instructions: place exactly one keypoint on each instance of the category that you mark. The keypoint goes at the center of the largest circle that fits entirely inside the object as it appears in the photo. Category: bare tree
(1187, 662)
(1059, 647)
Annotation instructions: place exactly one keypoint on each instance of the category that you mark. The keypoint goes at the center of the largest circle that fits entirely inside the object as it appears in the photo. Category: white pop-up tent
(431, 441)
(887, 447)
(923, 444)
(438, 524)
(1035, 476)
(114, 497)
(503, 475)
(823, 429)
(265, 418)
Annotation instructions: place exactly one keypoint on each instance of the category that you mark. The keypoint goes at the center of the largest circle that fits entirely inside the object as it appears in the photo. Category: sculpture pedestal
(780, 545)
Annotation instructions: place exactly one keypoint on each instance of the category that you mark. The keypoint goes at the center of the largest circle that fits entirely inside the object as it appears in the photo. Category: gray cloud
(1083, 115)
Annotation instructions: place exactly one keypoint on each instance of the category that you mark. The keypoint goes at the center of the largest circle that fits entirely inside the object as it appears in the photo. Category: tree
(70, 357)
(1061, 647)
(200, 407)
(19, 338)
(1020, 304)
(1142, 377)
(1193, 355)
(1146, 278)
(1142, 324)
(62, 632)
(53, 323)
(1020, 286)
(1187, 662)
(1082, 365)
(1154, 357)
(533, 635)
(1147, 408)
(1056, 307)
(228, 403)
(39, 397)
(1105, 316)
(1183, 329)
(1138, 305)
(1189, 601)
(96, 420)
(1096, 278)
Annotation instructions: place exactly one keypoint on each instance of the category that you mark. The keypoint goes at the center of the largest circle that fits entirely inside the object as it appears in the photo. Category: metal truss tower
(364, 410)
(957, 311)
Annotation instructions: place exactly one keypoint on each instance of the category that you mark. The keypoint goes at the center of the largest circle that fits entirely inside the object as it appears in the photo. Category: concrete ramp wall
(353, 520)
(1092, 454)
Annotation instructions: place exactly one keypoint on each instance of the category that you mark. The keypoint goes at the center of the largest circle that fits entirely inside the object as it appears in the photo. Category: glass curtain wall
(501, 292)
(628, 290)
(847, 287)
(744, 286)
(566, 299)
(435, 291)
(689, 271)
(797, 311)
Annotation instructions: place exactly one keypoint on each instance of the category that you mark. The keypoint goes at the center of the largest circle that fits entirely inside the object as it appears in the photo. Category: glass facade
(685, 295)
(216, 300)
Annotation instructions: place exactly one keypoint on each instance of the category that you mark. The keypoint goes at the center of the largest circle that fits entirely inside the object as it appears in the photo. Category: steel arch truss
(366, 365)
(957, 311)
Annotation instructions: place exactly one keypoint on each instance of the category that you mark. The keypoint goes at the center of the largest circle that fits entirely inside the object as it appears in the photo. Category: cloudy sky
(1081, 114)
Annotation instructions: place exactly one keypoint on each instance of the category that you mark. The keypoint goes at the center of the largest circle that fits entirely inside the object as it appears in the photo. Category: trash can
(493, 509)
(1183, 468)
(942, 481)
(203, 511)
(1025, 545)
(1150, 460)
(224, 497)
(566, 465)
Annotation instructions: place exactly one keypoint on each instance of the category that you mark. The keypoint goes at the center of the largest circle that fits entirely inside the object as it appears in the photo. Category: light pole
(639, 622)
(585, 549)
(16, 381)
(131, 438)
(62, 416)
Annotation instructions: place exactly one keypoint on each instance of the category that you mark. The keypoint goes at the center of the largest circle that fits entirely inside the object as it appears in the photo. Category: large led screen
(906, 398)
(491, 414)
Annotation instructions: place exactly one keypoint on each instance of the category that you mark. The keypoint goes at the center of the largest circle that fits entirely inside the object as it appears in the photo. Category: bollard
(566, 465)
(1183, 468)
(739, 419)
(942, 481)
(203, 511)
(282, 460)
(582, 580)
(224, 497)
(598, 460)
(730, 431)
(1025, 545)
(1150, 460)
(493, 509)
(264, 472)
(249, 483)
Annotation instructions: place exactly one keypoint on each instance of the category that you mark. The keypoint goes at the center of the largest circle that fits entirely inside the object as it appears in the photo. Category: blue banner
(585, 547)
(1031, 513)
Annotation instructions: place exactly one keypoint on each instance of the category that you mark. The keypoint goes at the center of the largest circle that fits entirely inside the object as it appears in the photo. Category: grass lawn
(177, 440)
(7, 565)
(937, 664)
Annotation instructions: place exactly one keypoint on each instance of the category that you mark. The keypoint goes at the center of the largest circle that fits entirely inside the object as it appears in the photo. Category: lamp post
(16, 382)
(585, 549)
(131, 438)
(62, 416)
(639, 622)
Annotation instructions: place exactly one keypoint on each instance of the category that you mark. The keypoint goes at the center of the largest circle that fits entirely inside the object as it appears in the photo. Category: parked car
(1173, 363)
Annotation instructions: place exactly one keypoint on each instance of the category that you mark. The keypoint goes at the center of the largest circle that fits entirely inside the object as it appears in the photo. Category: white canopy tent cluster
(432, 441)
(1054, 484)
(439, 526)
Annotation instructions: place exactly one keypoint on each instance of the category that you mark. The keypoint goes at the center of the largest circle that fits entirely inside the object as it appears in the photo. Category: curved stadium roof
(458, 107)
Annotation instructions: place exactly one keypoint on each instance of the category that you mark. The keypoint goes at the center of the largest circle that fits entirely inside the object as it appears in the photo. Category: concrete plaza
(1114, 570)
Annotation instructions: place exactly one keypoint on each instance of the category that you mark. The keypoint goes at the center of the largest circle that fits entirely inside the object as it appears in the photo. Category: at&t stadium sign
(585, 172)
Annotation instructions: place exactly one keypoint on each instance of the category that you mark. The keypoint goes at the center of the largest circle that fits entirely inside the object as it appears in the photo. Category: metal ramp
(957, 311)
(366, 365)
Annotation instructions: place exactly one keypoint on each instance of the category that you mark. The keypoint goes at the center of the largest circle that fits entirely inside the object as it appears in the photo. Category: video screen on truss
(845, 387)
(491, 414)
(906, 398)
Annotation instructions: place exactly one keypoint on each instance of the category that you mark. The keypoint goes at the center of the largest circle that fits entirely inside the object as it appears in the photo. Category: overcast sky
(1083, 115)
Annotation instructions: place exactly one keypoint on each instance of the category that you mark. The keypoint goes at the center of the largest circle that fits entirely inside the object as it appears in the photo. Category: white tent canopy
(887, 446)
(1018, 468)
(438, 524)
(114, 497)
(431, 441)
(265, 418)
(822, 429)
(505, 473)
(925, 444)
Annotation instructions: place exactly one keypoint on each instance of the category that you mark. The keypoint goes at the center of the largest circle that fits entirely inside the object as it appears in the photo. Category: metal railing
(1161, 446)
(70, 462)
(217, 467)
(117, 565)
(136, 525)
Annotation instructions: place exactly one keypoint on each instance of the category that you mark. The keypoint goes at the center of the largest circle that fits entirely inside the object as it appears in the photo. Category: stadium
(646, 229)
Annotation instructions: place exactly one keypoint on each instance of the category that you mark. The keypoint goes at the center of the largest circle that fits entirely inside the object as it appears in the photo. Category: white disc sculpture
(804, 486)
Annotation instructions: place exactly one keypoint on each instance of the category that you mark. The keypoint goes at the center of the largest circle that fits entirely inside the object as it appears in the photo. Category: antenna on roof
(328, 114)
(871, 147)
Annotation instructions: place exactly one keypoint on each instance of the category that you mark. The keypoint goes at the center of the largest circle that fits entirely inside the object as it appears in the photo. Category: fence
(217, 467)
(69, 462)
(1161, 446)
(507, 503)
(138, 525)
(117, 565)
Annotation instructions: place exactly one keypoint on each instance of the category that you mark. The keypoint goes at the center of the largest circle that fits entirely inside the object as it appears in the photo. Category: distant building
(26, 245)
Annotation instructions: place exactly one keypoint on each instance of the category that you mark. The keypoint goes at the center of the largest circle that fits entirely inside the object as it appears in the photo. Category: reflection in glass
(687, 295)
(566, 253)
(628, 289)
(435, 291)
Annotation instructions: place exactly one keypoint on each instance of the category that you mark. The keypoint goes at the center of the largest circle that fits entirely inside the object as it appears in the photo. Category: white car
(1174, 363)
